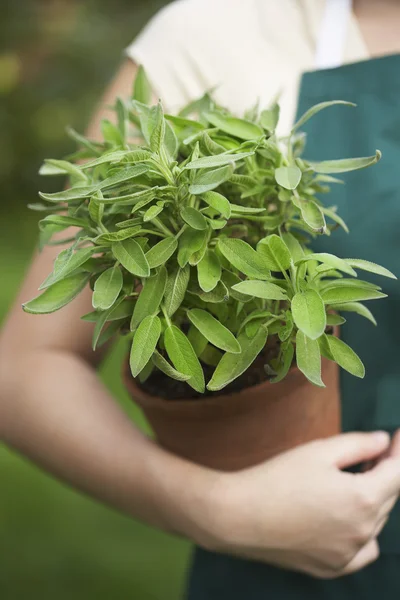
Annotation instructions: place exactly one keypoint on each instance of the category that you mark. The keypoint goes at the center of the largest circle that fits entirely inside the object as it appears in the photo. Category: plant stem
(160, 225)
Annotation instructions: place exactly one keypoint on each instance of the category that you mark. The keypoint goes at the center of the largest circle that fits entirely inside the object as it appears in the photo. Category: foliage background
(56, 57)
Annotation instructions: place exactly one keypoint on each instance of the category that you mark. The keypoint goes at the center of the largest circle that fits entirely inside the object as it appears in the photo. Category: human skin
(289, 511)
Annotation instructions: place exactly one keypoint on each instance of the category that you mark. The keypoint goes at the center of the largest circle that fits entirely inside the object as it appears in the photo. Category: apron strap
(332, 34)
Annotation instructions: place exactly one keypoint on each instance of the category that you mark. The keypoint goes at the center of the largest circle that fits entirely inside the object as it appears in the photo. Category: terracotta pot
(236, 431)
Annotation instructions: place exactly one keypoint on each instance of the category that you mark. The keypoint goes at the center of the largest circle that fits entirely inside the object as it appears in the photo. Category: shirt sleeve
(169, 49)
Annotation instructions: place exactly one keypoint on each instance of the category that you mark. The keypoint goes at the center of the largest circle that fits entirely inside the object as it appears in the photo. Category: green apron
(370, 204)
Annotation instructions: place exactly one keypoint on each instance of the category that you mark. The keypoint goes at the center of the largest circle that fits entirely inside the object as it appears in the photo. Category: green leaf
(193, 218)
(358, 308)
(131, 256)
(286, 363)
(164, 366)
(69, 263)
(209, 271)
(57, 295)
(175, 290)
(74, 193)
(331, 260)
(158, 133)
(117, 236)
(63, 221)
(288, 177)
(308, 312)
(232, 366)
(269, 118)
(111, 133)
(331, 214)
(294, 246)
(107, 288)
(183, 357)
(120, 310)
(150, 297)
(218, 202)
(83, 141)
(191, 241)
(315, 109)
(95, 208)
(275, 253)
(152, 212)
(219, 294)
(366, 265)
(340, 295)
(214, 331)
(206, 181)
(311, 214)
(104, 316)
(334, 320)
(161, 252)
(116, 156)
(240, 128)
(261, 289)
(144, 343)
(245, 210)
(197, 339)
(61, 167)
(244, 258)
(125, 174)
(137, 199)
(345, 356)
(308, 357)
(345, 164)
(141, 87)
(219, 160)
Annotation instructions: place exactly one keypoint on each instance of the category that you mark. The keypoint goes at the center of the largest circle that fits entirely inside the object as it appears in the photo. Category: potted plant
(195, 234)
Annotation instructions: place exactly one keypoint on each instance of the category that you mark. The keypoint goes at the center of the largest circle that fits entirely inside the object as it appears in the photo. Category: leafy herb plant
(195, 234)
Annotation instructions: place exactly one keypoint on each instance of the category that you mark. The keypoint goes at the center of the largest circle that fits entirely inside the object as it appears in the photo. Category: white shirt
(245, 49)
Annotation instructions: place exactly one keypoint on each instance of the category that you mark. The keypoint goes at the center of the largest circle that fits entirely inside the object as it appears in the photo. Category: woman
(299, 511)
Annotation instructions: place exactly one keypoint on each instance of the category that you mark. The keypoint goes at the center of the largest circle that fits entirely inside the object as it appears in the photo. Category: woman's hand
(301, 511)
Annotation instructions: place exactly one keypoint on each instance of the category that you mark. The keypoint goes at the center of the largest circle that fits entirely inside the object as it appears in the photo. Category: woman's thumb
(349, 449)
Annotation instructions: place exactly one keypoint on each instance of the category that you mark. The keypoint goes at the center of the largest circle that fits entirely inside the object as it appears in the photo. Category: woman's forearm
(54, 410)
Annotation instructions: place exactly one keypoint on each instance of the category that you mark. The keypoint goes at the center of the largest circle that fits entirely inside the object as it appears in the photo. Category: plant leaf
(161, 252)
(191, 241)
(315, 109)
(57, 295)
(70, 262)
(218, 202)
(183, 357)
(214, 331)
(209, 271)
(288, 177)
(269, 118)
(141, 87)
(164, 366)
(206, 181)
(261, 289)
(312, 214)
(331, 260)
(286, 363)
(358, 308)
(219, 160)
(150, 297)
(232, 366)
(275, 253)
(107, 288)
(308, 312)
(345, 356)
(175, 290)
(366, 265)
(308, 357)
(345, 164)
(240, 128)
(144, 343)
(193, 218)
(131, 256)
(244, 258)
(340, 295)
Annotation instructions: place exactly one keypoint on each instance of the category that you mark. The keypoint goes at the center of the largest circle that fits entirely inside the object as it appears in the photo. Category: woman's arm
(298, 510)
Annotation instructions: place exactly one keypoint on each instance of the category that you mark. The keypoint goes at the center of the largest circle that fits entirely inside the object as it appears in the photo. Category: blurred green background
(56, 58)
